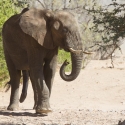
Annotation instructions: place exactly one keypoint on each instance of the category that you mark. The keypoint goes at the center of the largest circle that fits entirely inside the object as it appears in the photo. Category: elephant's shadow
(4, 112)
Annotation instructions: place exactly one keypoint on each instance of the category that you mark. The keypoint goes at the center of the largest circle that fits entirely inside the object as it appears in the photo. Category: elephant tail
(25, 85)
(7, 86)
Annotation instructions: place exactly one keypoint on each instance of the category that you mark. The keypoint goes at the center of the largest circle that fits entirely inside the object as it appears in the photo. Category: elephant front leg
(37, 79)
(43, 105)
(49, 71)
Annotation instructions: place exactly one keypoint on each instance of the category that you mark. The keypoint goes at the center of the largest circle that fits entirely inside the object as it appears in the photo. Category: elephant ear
(35, 23)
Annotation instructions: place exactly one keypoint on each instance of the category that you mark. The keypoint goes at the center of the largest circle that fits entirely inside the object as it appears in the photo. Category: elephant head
(55, 29)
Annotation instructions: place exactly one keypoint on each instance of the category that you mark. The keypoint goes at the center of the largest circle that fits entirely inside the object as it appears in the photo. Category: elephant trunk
(76, 67)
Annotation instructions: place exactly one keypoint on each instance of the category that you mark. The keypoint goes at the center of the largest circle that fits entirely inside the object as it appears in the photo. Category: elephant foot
(13, 107)
(43, 108)
(43, 111)
(22, 97)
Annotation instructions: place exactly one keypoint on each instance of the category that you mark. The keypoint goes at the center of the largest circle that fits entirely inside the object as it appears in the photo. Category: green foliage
(62, 56)
(110, 21)
(7, 8)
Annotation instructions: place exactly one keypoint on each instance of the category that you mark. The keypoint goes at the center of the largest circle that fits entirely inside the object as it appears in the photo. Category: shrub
(7, 9)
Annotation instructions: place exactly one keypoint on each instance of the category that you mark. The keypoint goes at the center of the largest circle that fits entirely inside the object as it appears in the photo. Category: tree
(109, 21)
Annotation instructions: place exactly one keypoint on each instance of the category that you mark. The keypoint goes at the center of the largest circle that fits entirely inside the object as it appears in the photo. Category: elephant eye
(65, 30)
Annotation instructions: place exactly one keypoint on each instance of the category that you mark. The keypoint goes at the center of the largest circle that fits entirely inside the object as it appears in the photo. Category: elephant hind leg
(14, 97)
(35, 96)
(15, 76)
(25, 85)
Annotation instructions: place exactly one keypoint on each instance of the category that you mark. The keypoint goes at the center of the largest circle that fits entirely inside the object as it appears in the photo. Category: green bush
(7, 9)
(62, 56)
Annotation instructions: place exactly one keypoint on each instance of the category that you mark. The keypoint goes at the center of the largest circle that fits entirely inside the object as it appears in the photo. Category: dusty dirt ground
(96, 97)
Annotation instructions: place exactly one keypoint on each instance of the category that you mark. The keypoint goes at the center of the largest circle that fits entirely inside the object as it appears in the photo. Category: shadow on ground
(5, 112)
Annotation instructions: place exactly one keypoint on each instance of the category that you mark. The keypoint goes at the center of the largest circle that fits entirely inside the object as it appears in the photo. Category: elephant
(31, 40)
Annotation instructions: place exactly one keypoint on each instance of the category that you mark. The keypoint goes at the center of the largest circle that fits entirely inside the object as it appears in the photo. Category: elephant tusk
(87, 52)
(75, 51)
(79, 51)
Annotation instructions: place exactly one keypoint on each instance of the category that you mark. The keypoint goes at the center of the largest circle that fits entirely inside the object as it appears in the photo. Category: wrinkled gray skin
(31, 40)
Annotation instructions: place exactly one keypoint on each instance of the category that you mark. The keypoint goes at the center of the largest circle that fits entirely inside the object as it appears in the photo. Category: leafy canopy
(109, 20)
